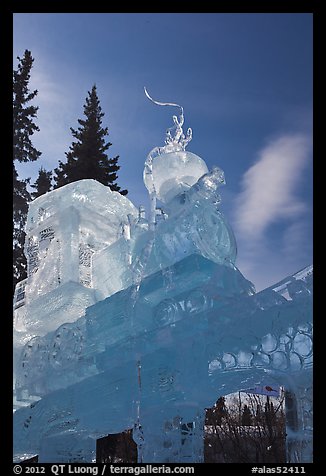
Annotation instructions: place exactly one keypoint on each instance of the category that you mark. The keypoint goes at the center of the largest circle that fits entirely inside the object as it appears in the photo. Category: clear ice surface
(175, 172)
(133, 322)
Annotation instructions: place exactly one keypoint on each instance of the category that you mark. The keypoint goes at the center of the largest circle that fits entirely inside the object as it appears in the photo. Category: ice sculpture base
(167, 349)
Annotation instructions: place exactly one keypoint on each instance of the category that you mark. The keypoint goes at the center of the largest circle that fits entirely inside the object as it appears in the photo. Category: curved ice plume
(178, 141)
(159, 103)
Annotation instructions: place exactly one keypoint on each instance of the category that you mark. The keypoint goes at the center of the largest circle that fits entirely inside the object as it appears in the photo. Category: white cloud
(48, 91)
(53, 109)
(269, 187)
(271, 194)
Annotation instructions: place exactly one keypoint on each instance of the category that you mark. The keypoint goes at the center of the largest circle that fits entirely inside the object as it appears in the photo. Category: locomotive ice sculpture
(128, 322)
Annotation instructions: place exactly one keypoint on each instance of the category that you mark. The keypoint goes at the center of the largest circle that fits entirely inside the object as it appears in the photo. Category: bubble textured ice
(134, 322)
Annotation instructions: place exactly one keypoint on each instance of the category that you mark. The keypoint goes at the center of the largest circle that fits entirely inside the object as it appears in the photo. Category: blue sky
(245, 82)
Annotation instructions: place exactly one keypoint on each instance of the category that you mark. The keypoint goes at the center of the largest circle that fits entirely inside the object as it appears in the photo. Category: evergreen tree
(87, 158)
(246, 416)
(23, 151)
(42, 184)
(215, 414)
(24, 113)
(269, 413)
(20, 208)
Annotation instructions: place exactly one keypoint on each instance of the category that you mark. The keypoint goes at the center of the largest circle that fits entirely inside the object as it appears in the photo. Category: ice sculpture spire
(174, 142)
(178, 141)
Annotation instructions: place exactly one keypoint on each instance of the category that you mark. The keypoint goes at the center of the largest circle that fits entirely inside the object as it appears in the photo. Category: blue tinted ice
(134, 322)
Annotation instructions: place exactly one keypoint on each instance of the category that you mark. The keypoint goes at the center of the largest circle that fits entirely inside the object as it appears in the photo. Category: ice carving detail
(178, 141)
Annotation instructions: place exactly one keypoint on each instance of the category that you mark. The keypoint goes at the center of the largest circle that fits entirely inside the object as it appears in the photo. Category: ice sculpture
(64, 229)
(127, 322)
